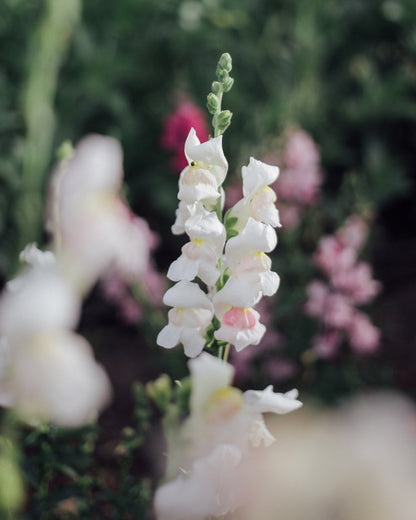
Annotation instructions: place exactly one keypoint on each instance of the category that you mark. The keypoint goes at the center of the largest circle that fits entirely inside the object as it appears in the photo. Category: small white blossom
(188, 320)
(258, 198)
(200, 255)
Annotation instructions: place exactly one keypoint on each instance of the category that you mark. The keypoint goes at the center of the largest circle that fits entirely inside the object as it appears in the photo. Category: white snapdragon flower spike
(259, 199)
(188, 320)
(208, 489)
(200, 255)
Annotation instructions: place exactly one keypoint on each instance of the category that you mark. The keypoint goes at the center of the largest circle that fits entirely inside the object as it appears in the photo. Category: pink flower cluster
(300, 177)
(349, 283)
(176, 127)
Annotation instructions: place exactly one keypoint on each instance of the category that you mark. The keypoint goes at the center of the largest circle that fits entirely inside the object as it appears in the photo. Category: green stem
(47, 50)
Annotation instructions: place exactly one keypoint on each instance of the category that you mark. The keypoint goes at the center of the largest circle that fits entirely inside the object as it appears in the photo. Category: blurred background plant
(336, 79)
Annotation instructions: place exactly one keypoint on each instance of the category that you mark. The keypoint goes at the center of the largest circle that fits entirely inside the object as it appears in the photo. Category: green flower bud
(223, 120)
(212, 103)
(160, 391)
(225, 62)
(222, 75)
(227, 84)
(216, 87)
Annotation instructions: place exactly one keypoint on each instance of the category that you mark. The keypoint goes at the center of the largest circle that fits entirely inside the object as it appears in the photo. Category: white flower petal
(187, 294)
(169, 336)
(269, 401)
(208, 374)
(257, 175)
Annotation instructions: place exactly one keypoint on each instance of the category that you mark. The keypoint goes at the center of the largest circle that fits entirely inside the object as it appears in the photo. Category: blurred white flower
(207, 489)
(55, 377)
(354, 463)
(219, 438)
(50, 372)
(93, 228)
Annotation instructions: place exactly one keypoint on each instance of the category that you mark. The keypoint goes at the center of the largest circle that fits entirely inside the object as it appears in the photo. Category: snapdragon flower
(247, 262)
(189, 319)
(202, 178)
(200, 255)
(258, 199)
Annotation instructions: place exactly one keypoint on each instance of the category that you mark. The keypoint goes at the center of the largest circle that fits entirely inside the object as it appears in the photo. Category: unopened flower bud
(222, 75)
(160, 391)
(225, 62)
(223, 120)
(216, 87)
(227, 84)
(212, 103)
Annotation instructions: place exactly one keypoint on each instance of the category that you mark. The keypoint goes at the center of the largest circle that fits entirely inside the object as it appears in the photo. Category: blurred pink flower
(290, 215)
(327, 344)
(338, 311)
(301, 152)
(357, 282)
(299, 185)
(176, 127)
(332, 256)
(317, 292)
(353, 233)
(364, 336)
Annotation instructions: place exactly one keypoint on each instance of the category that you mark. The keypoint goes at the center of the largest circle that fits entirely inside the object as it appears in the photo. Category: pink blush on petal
(239, 318)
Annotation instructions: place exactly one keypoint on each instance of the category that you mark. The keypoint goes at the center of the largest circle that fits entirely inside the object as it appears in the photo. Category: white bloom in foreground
(50, 372)
(208, 376)
(188, 320)
(43, 300)
(223, 428)
(55, 377)
(200, 255)
(93, 228)
(209, 489)
(240, 327)
(259, 199)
